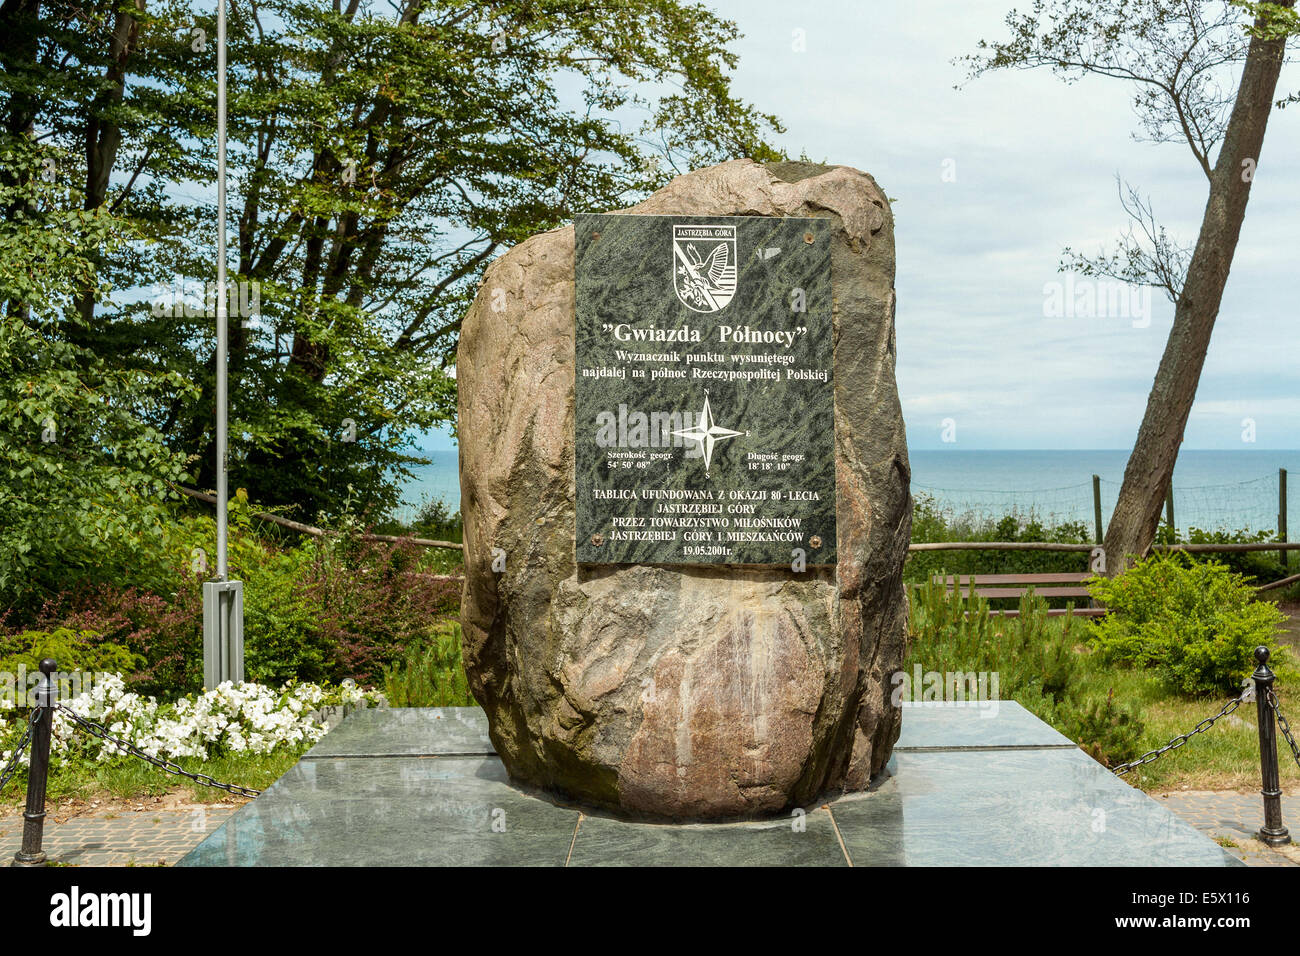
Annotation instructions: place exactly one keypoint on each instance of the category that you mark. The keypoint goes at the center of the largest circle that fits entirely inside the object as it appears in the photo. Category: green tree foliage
(384, 159)
(81, 477)
(380, 156)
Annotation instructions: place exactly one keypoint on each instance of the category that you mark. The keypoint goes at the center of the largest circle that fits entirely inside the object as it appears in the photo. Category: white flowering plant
(231, 720)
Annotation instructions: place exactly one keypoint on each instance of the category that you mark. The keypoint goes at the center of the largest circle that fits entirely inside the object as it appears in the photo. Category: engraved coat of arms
(704, 266)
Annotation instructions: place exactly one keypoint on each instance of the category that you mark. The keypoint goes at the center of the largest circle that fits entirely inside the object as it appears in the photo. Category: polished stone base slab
(978, 725)
(967, 785)
(408, 732)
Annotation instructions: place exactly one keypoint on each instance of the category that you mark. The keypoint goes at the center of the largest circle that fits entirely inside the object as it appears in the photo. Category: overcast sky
(1034, 161)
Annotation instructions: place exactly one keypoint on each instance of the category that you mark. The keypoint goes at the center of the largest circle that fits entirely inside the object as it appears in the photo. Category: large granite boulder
(685, 692)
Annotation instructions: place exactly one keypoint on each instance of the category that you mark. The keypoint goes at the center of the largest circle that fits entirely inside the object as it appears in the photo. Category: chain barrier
(1181, 739)
(1284, 726)
(12, 767)
(1273, 830)
(100, 731)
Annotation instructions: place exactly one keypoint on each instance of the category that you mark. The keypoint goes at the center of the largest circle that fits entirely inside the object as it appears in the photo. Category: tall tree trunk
(103, 134)
(1151, 465)
(18, 19)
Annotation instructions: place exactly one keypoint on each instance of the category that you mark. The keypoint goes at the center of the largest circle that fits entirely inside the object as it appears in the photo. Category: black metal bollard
(31, 853)
(1272, 832)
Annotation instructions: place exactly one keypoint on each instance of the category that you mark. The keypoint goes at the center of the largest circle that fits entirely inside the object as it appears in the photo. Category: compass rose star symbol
(707, 433)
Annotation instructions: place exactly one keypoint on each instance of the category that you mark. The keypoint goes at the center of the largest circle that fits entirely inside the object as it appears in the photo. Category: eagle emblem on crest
(704, 266)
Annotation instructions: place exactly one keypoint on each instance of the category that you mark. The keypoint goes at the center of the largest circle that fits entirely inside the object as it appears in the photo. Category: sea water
(1225, 490)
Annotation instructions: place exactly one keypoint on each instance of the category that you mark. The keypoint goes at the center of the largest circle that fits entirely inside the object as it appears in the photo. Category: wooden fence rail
(1282, 546)
(322, 532)
(1056, 546)
(999, 546)
(1253, 546)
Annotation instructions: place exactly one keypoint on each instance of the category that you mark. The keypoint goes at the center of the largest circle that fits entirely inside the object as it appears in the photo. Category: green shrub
(1036, 660)
(283, 636)
(1031, 653)
(1195, 623)
(318, 611)
(1108, 732)
(435, 519)
(1260, 566)
(431, 674)
(71, 650)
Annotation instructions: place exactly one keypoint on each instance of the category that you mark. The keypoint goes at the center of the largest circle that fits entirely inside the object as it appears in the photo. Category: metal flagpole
(222, 569)
(223, 599)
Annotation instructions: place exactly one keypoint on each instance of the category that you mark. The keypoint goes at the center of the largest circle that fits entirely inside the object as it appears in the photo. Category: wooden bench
(1015, 586)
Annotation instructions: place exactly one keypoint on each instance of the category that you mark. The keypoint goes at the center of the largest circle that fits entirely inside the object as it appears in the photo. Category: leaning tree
(1179, 57)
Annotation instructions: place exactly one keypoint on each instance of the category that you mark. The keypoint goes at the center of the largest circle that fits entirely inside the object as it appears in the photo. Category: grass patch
(1225, 757)
(135, 778)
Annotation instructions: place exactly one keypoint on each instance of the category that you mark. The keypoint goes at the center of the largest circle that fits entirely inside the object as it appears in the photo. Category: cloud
(1035, 162)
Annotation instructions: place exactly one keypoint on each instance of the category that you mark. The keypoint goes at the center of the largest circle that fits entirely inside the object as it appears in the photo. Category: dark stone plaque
(705, 428)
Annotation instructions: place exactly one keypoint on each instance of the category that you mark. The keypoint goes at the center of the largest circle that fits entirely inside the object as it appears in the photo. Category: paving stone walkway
(128, 838)
(1232, 819)
(161, 837)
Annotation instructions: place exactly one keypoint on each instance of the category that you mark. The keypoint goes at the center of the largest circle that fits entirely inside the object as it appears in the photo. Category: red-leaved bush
(375, 604)
(314, 612)
(166, 630)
